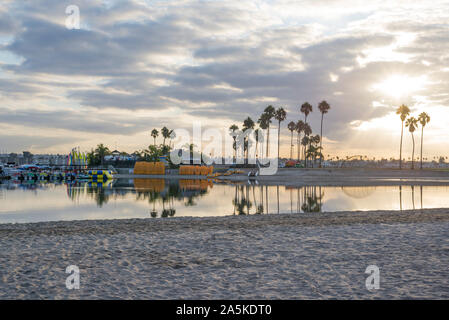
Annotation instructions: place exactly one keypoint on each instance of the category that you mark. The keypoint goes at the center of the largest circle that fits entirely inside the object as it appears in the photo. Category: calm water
(142, 198)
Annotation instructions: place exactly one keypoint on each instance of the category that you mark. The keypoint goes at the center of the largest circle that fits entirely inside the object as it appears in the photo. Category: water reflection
(140, 198)
(304, 199)
(154, 191)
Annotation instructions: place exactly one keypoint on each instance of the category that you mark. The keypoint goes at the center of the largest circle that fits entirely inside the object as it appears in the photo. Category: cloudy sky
(138, 64)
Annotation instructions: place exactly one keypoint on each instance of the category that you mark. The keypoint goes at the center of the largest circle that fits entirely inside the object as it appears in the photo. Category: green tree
(258, 136)
(403, 111)
(264, 124)
(412, 124)
(154, 134)
(306, 108)
(267, 115)
(423, 119)
(292, 127)
(153, 153)
(101, 151)
(280, 116)
(248, 124)
(324, 107)
(165, 134)
(233, 132)
(299, 129)
(307, 132)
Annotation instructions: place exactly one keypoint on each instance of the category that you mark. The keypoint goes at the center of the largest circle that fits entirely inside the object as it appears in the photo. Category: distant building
(29, 158)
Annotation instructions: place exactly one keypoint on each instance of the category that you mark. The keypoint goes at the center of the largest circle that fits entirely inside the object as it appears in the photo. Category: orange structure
(157, 168)
(196, 170)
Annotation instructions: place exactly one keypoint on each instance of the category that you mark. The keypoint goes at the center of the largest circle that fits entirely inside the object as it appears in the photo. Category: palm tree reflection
(309, 199)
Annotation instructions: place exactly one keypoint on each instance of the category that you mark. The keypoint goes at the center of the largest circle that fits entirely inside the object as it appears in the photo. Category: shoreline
(230, 222)
(326, 177)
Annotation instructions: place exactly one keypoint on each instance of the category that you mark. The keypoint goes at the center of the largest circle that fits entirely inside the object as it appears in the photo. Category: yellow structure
(157, 168)
(100, 175)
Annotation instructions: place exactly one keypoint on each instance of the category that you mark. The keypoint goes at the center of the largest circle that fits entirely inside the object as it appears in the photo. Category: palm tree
(299, 128)
(412, 124)
(314, 151)
(305, 142)
(280, 116)
(307, 132)
(267, 115)
(423, 119)
(154, 134)
(403, 111)
(101, 151)
(258, 137)
(306, 108)
(292, 127)
(324, 108)
(171, 136)
(248, 124)
(264, 124)
(165, 133)
(233, 131)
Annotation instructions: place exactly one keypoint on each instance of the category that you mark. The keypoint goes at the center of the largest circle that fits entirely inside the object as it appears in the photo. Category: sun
(398, 86)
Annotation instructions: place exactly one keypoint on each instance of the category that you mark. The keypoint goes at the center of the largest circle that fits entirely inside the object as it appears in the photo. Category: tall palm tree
(268, 114)
(423, 119)
(305, 141)
(264, 124)
(165, 133)
(248, 124)
(324, 108)
(306, 108)
(258, 137)
(280, 116)
(171, 135)
(292, 127)
(233, 131)
(299, 128)
(403, 111)
(101, 151)
(154, 134)
(412, 124)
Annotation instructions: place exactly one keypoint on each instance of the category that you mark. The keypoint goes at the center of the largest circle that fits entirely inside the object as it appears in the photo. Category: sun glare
(399, 85)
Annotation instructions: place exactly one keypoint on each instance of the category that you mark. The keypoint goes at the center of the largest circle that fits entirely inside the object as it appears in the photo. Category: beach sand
(286, 256)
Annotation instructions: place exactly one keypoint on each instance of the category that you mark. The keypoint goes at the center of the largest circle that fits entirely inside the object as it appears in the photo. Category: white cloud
(138, 64)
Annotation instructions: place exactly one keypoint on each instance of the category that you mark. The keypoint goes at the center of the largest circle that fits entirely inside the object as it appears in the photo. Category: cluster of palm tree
(96, 157)
(412, 124)
(312, 145)
(166, 134)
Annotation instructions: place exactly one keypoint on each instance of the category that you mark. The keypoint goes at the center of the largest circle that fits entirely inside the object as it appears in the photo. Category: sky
(134, 65)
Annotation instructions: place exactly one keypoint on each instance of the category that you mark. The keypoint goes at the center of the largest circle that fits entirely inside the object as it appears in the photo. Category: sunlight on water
(144, 198)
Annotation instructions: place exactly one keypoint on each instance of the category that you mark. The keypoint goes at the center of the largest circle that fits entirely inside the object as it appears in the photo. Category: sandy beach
(286, 256)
